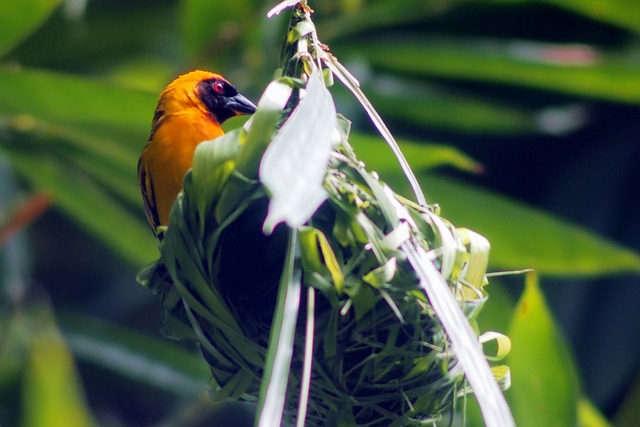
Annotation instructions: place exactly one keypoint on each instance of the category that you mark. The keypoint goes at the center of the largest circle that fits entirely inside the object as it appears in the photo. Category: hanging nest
(380, 355)
(363, 330)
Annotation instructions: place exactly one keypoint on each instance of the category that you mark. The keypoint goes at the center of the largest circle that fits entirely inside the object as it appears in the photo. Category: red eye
(218, 87)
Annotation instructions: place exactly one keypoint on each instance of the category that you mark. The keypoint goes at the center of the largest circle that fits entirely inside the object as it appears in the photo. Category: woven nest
(380, 356)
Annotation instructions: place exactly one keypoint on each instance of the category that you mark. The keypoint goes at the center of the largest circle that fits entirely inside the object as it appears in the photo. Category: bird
(190, 110)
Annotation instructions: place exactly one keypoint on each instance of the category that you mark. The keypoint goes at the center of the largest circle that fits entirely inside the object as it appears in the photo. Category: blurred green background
(521, 119)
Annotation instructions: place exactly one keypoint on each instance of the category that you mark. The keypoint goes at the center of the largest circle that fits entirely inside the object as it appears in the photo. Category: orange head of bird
(203, 91)
(190, 110)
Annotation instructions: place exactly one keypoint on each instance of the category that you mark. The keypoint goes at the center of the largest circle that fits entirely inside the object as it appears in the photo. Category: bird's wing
(148, 196)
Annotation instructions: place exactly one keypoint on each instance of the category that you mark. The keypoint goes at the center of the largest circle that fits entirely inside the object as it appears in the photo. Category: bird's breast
(169, 155)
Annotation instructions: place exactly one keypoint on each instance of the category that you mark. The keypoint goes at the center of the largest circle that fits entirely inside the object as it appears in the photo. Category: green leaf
(52, 389)
(262, 125)
(523, 237)
(374, 16)
(623, 13)
(211, 23)
(351, 83)
(418, 104)
(18, 19)
(591, 74)
(381, 276)
(627, 413)
(294, 165)
(85, 132)
(423, 155)
(463, 339)
(496, 312)
(469, 354)
(96, 210)
(590, 416)
(159, 363)
(384, 14)
(79, 105)
(544, 389)
(318, 257)
(97, 157)
(213, 162)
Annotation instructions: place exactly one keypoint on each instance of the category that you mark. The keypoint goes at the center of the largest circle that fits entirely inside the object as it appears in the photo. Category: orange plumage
(190, 110)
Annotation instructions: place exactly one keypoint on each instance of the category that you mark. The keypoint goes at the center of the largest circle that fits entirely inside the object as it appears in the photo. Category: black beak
(239, 105)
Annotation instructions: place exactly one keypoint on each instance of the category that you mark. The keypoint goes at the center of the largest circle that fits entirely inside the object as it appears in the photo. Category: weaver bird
(190, 110)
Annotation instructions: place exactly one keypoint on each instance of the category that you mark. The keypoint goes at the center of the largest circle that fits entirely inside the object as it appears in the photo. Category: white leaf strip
(276, 372)
(294, 165)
